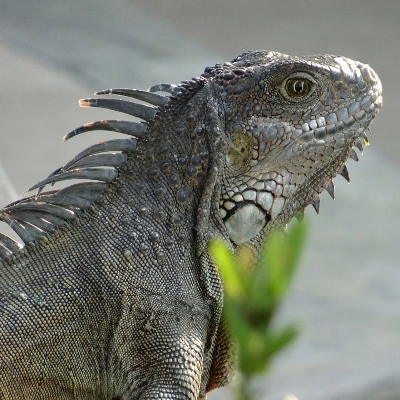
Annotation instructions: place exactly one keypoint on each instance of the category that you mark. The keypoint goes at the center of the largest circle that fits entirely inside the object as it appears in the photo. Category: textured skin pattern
(113, 295)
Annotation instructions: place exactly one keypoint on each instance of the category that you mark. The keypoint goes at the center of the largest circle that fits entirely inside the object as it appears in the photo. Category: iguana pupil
(298, 87)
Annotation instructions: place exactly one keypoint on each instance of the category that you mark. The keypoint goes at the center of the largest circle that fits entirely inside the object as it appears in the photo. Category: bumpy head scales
(291, 124)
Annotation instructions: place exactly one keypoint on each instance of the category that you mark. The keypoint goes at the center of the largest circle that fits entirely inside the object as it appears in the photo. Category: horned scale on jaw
(118, 269)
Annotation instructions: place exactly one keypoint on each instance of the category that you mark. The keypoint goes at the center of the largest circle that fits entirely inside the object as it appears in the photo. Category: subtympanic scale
(245, 223)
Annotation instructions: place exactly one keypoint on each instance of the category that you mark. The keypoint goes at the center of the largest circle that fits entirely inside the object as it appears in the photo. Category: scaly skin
(114, 294)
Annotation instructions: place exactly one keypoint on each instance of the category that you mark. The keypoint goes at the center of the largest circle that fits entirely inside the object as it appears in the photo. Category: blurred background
(346, 298)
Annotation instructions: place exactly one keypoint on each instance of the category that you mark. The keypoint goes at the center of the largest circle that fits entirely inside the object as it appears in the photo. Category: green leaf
(227, 266)
(280, 257)
(235, 320)
(276, 341)
(252, 293)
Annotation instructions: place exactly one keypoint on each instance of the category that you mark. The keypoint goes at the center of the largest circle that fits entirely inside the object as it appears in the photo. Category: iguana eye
(298, 85)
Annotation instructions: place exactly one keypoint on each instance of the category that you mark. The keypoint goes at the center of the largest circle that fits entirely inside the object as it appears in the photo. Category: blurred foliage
(253, 290)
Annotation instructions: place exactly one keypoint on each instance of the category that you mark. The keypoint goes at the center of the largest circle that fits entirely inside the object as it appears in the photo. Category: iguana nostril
(369, 75)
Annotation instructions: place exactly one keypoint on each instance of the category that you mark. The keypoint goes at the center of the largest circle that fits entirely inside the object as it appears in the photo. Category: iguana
(113, 294)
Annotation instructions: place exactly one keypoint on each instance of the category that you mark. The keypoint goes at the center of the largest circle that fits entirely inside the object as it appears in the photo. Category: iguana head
(290, 125)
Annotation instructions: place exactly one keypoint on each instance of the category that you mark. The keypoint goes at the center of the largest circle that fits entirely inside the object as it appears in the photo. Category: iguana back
(113, 294)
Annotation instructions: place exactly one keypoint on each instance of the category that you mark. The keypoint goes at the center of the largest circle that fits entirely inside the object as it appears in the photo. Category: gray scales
(112, 294)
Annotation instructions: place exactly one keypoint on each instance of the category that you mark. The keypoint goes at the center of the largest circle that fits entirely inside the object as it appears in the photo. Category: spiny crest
(32, 218)
(241, 62)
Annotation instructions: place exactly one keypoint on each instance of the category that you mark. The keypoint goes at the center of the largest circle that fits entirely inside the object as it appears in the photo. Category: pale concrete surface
(346, 297)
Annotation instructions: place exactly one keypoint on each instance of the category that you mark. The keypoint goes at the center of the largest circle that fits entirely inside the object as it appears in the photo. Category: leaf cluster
(253, 290)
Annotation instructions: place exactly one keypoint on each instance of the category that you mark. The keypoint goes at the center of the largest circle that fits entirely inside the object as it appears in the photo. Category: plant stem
(243, 389)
